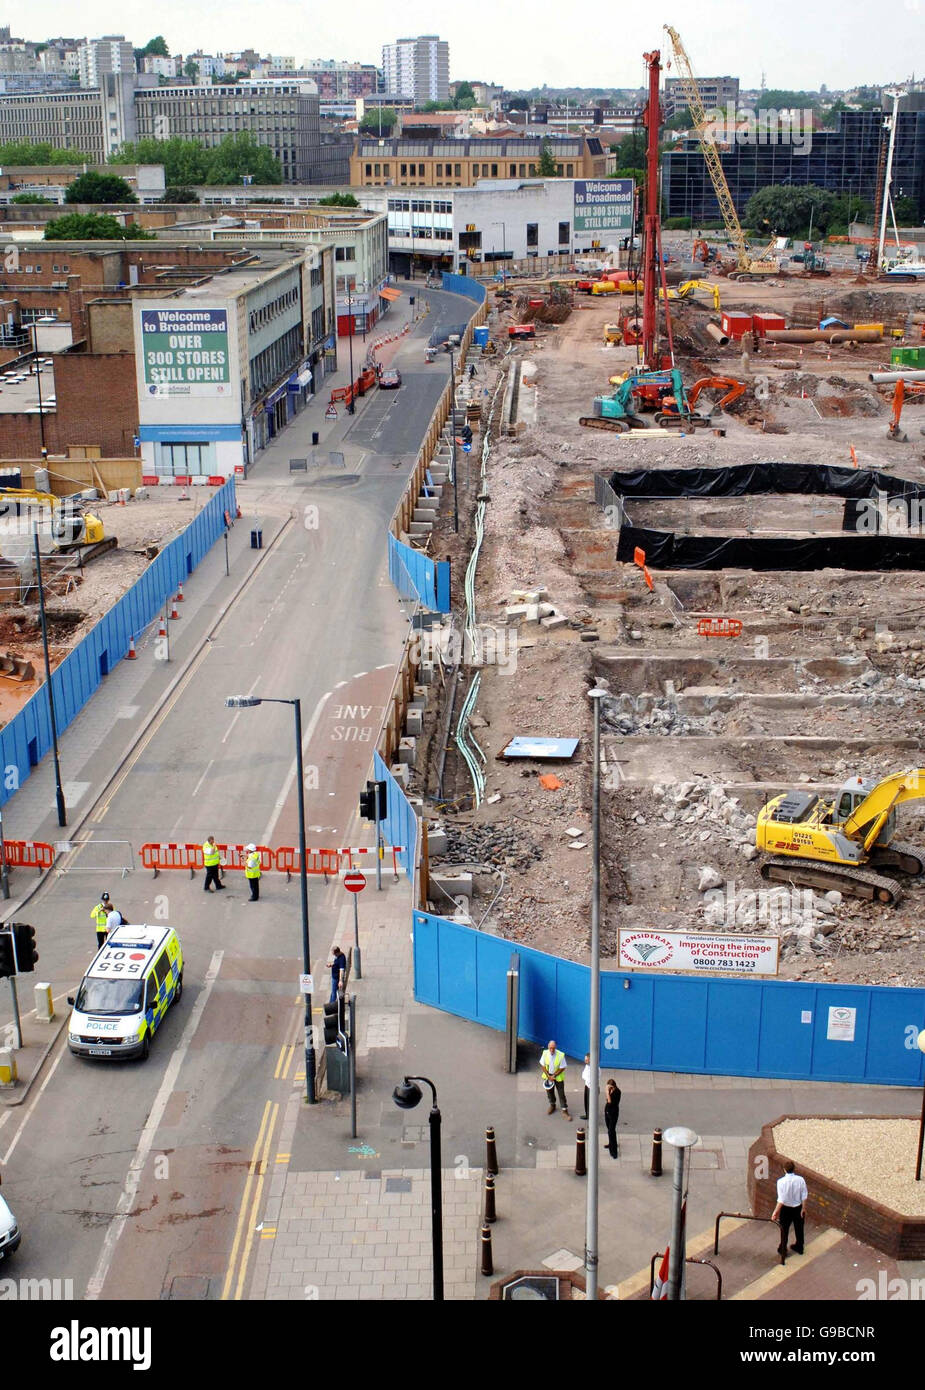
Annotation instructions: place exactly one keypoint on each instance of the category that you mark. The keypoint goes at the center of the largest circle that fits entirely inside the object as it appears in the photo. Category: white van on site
(132, 981)
(9, 1231)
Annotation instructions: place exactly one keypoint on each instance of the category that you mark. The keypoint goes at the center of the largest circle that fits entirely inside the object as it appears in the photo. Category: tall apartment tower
(418, 68)
(110, 54)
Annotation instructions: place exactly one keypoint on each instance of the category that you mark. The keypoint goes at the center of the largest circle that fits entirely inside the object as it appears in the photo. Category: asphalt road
(128, 1179)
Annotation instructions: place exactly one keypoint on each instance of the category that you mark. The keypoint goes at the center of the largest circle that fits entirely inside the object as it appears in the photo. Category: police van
(124, 997)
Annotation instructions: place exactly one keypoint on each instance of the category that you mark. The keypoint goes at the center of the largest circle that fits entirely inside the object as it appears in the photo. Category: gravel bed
(874, 1157)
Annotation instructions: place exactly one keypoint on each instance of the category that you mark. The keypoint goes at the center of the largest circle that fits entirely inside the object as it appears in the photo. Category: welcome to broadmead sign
(185, 352)
(603, 205)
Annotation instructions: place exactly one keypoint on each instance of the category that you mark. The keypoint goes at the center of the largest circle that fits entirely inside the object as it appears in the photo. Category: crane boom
(711, 155)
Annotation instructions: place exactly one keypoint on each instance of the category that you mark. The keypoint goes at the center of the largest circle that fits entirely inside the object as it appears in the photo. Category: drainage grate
(398, 1184)
(188, 1287)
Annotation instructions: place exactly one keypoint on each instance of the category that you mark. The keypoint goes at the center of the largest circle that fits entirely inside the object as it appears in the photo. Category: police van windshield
(98, 996)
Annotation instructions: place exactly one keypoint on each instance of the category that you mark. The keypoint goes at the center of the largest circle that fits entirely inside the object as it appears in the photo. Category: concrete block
(532, 614)
(454, 884)
(414, 722)
(420, 528)
(425, 514)
(554, 621)
(515, 611)
(529, 595)
(547, 610)
(401, 772)
(436, 840)
(425, 673)
(420, 698)
(408, 751)
(7, 1066)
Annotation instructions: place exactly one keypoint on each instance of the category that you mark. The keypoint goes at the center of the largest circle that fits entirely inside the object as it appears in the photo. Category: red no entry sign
(354, 882)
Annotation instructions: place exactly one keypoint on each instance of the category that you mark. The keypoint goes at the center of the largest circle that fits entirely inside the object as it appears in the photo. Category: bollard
(491, 1152)
(8, 1073)
(44, 1005)
(490, 1198)
(487, 1266)
(656, 1170)
(580, 1166)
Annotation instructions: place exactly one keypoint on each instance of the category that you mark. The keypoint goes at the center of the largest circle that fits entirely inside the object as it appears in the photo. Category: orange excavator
(903, 389)
(733, 389)
(700, 251)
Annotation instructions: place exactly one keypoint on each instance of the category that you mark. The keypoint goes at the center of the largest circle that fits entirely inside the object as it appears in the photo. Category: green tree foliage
(20, 152)
(780, 99)
(906, 211)
(93, 187)
(830, 119)
(338, 200)
(464, 94)
(518, 104)
(156, 47)
(239, 155)
(30, 198)
(374, 120)
(187, 163)
(632, 151)
(191, 70)
(786, 211)
(93, 226)
(546, 168)
(180, 195)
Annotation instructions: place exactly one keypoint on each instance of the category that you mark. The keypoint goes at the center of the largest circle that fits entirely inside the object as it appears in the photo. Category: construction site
(700, 493)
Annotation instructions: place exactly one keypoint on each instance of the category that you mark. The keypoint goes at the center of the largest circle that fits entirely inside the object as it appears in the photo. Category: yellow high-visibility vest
(99, 915)
(252, 867)
(553, 1064)
(211, 854)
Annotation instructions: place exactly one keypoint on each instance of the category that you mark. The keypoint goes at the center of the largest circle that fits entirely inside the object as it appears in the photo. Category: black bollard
(490, 1198)
(491, 1152)
(656, 1169)
(487, 1266)
(581, 1169)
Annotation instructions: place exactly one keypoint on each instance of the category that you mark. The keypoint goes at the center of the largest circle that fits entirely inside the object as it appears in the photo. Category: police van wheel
(178, 992)
(145, 1046)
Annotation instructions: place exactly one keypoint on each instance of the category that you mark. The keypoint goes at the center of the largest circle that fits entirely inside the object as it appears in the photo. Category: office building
(715, 93)
(100, 56)
(418, 68)
(452, 163)
(95, 121)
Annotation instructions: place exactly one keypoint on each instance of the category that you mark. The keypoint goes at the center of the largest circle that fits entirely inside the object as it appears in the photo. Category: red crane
(653, 269)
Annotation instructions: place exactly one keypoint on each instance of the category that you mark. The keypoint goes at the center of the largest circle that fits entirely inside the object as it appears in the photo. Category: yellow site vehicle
(843, 843)
(688, 290)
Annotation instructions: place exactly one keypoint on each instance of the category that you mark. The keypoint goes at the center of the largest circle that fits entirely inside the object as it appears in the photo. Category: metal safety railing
(735, 1216)
(689, 1260)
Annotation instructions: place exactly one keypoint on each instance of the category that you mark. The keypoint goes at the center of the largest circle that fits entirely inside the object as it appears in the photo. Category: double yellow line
(250, 1204)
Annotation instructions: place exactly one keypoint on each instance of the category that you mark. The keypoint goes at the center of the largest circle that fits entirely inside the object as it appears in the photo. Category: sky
(796, 44)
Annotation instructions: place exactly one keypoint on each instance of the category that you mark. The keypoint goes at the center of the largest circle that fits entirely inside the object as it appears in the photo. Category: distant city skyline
(789, 43)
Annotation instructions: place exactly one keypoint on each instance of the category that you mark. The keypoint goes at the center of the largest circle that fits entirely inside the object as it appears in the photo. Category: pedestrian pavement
(350, 1217)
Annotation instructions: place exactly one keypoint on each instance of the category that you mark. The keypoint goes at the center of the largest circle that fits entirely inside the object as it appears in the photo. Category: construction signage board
(185, 352)
(699, 951)
(603, 205)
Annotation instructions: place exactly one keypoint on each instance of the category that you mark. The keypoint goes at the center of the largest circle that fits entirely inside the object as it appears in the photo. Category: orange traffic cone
(238, 512)
(179, 593)
(162, 630)
(173, 610)
(131, 655)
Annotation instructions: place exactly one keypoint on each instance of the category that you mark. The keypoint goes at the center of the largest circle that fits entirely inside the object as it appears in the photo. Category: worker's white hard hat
(250, 848)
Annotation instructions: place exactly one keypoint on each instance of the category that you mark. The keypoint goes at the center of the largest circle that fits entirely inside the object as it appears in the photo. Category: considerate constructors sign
(700, 952)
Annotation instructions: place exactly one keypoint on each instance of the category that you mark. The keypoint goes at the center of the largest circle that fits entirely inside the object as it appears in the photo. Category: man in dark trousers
(792, 1192)
(338, 971)
(612, 1116)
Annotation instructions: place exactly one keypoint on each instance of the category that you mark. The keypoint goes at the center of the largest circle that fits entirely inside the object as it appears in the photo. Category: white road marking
(237, 714)
(73, 791)
(290, 778)
(32, 1104)
(127, 711)
(136, 1168)
(204, 776)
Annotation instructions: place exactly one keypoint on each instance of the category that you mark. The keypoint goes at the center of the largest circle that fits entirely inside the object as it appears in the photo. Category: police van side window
(150, 992)
(162, 967)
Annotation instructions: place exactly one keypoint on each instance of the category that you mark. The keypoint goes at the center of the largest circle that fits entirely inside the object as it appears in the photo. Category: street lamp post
(503, 250)
(59, 791)
(682, 1139)
(351, 408)
(38, 382)
(246, 702)
(918, 1160)
(453, 439)
(406, 1097)
(594, 1013)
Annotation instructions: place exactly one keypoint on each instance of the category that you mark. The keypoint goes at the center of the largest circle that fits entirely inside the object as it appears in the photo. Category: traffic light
(466, 433)
(368, 801)
(335, 1022)
(26, 954)
(6, 954)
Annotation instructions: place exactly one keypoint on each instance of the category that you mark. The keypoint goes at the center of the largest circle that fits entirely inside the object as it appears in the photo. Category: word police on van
(124, 996)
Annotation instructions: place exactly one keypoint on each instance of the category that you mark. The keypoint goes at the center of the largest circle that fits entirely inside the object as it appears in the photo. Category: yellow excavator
(687, 290)
(71, 528)
(845, 842)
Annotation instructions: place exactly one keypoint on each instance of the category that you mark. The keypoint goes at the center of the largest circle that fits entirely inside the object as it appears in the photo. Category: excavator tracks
(597, 422)
(857, 883)
(902, 858)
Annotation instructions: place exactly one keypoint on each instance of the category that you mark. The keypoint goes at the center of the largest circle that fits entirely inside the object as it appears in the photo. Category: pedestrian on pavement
(586, 1078)
(212, 858)
(338, 971)
(552, 1065)
(115, 919)
(98, 918)
(792, 1192)
(252, 871)
(612, 1115)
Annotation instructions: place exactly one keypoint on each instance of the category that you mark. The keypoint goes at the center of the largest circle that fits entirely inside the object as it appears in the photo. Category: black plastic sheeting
(876, 542)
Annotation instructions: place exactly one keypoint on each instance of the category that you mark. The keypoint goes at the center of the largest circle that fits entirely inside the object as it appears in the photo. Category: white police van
(124, 997)
(9, 1231)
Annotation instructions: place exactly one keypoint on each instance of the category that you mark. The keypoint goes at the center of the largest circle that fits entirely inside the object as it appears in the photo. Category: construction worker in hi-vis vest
(212, 858)
(252, 871)
(98, 918)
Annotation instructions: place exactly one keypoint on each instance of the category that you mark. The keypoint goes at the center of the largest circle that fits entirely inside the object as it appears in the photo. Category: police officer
(211, 858)
(252, 871)
(98, 917)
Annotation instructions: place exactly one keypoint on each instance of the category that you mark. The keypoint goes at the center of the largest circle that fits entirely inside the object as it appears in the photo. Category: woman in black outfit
(612, 1115)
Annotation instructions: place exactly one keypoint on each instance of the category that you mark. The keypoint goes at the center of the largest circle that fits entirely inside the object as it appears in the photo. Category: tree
(157, 47)
(23, 152)
(338, 200)
(518, 104)
(546, 169)
(240, 155)
(30, 198)
(779, 99)
(464, 92)
(180, 195)
(632, 151)
(93, 226)
(831, 116)
(788, 211)
(906, 211)
(191, 69)
(374, 121)
(93, 187)
(186, 162)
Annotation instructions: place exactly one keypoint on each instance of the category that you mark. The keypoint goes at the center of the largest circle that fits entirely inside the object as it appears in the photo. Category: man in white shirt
(792, 1192)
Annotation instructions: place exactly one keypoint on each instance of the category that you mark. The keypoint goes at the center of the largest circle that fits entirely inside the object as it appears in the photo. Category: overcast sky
(795, 43)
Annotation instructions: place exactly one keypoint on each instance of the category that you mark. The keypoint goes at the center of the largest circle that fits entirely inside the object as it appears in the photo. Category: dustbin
(315, 438)
(257, 538)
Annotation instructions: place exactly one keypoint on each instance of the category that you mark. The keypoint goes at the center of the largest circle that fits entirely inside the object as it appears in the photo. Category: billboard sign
(603, 205)
(185, 352)
(704, 953)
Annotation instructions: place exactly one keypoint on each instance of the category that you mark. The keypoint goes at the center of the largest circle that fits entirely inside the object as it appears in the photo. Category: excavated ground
(825, 681)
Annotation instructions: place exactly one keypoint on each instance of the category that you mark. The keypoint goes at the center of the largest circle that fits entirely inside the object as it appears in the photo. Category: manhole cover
(189, 1287)
(398, 1184)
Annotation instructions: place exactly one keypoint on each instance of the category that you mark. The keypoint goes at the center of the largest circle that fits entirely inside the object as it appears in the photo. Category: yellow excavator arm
(869, 815)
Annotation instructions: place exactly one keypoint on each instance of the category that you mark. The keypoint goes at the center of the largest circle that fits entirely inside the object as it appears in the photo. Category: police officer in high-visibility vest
(252, 871)
(98, 917)
(552, 1064)
(211, 858)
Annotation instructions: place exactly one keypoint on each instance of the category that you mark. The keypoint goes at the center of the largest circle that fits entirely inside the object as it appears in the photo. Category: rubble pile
(499, 845)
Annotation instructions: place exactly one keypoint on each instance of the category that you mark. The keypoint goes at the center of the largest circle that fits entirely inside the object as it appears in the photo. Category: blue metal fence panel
(461, 284)
(400, 826)
(416, 576)
(26, 739)
(765, 1028)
